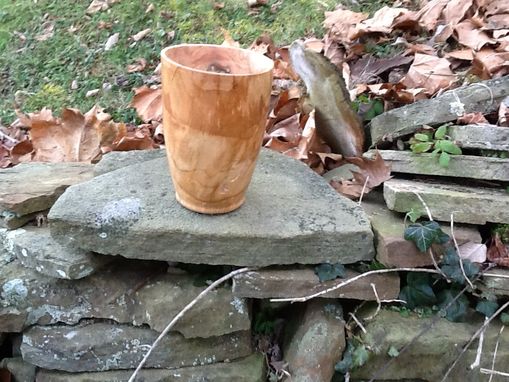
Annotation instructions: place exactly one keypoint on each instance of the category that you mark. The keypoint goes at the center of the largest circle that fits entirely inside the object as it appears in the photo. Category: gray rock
(317, 344)
(291, 215)
(34, 186)
(21, 371)
(11, 220)
(249, 369)
(473, 205)
(431, 354)
(462, 166)
(392, 249)
(101, 346)
(118, 159)
(492, 284)
(126, 291)
(300, 282)
(36, 249)
(489, 137)
(482, 97)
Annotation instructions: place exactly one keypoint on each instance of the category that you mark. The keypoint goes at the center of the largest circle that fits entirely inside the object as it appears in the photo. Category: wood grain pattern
(215, 102)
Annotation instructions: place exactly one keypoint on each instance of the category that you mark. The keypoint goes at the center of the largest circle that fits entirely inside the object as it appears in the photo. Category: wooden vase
(215, 104)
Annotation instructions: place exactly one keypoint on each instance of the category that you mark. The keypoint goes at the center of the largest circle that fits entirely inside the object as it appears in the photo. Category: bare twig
(428, 211)
(349, 281)
(363, 190)
(477, 360)
(379, 303)
(495, 352)
(493, 372)
(358, 322)
(459, 254)
(181, 314)
(435, 264)
(476, 334)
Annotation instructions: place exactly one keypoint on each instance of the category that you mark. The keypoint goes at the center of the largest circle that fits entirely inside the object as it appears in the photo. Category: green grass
(35, 74)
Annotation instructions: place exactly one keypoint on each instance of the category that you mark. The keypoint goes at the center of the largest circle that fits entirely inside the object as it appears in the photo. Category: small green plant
(368, 108)
(355, 355)
(437, 142)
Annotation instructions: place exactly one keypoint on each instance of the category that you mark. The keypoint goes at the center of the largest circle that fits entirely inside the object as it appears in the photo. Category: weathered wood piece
(480, 97)
(488, 137)
(462, 166)
(474, 205)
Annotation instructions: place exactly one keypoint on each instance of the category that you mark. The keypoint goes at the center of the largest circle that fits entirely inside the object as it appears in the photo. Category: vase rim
(267, 63)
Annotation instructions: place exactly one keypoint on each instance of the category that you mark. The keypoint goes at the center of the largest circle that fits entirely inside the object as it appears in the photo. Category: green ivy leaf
(326, 272)
(487, 307)
(393, 352)
(418, 291)
(458, 309)
(360, 356)
(422, 147)
(452, 269)
(444, 159)
(441, 132)
(425, 234)
(450, 147)
(378, 106)
(422, 137)
(414, 214)
(435, 152)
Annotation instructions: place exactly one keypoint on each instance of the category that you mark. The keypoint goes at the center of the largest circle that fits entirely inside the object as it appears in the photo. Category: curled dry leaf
(342, 24)
(472, 119)
(382, 21)
(99, 5)
(22, 152)
(264, 45)
(461, 54)
(429, 72)
(487, 62)
(498, 252)
(148, 103)
(139, 65)
(431, 13)
(470, 35)
(456, 10)
(140, 35)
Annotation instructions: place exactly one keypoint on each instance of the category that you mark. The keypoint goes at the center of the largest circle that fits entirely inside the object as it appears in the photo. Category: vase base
(210, 208)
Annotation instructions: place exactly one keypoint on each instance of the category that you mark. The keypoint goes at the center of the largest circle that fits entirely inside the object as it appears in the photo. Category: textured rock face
(36, 249)
(102, 346)
(317, 344)
(118, 159)
(133, 292)
(291, 215)
(298, 282)
(249, 369)
(431, 354)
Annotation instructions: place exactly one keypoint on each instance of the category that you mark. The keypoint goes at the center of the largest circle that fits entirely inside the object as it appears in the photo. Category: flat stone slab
(34, 186)
(10, 220)
(462, 166)
(21, 371)
(392, 249)
(318, 342)
(249, 369)
(36, 249)
(429, 357)
(473, 205)
(295, 282)
(102, 346)
(498, 286)
(118, 159)
(483, 97)
(489, 137)
(291, 215)
(126, 291)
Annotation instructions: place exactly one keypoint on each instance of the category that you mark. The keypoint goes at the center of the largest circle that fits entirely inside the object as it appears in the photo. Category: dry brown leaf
(498, 22)
(47, 31)
(111, 42)
(287, 130)
(431, 13)
(369, 68)
(497, 7)
(381, 22)
(256, 3)
(22, 152)
(5, 159)
(472, 119)
(314, 44)
(264, 45)
(462, 54)
(139, 65)
(487, 62)
(283, 70)
(333, 50)
(429, 72)
(470, 35)
(342, 24)
(99, 5)
(134, 141)
(456, 10)
(498, 252)
(140, 35)
(148, 103)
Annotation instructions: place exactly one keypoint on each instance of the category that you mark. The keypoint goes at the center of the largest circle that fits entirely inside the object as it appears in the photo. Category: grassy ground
(34, 74)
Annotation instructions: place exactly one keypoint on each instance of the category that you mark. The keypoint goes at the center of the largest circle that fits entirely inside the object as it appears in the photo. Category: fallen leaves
(141, 35)
(148, 103)
(429, 72)
(498, 252)
(111, 42)
(99, 5)
(138, 66)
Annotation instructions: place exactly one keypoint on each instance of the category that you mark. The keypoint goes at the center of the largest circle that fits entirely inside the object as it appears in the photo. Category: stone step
(291, 215)
(127, 291)
(463, 166)
(482, 97)
(101, 346)
(473, 205)
(300, 282)
(249, 369)
(488, 137)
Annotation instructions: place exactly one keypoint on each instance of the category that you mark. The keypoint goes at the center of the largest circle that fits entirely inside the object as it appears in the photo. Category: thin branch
(181, 314)
(363, 190)
(349, 281)
(495, 352)
(493, 372)
(476, 334)
(459, 254)
(358, 322)
(435, 264)
(379, 303)
(428, 211)
(478, 354)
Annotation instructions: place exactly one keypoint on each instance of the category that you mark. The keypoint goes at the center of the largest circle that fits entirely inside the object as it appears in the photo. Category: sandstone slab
(428, 358)
(32, 187)
(300, 282)
(291, 215)
(496, 281)
(392, 249)
(21, 371)
(100, 346)
(483, 97)
(474, 205)
(318, 342)
(118, 159)
(462, 166)
(249, 369)
(36, 249)
(488, 137)
(125, 291)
